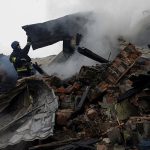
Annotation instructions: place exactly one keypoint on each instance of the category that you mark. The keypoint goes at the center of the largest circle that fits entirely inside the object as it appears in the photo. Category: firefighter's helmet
(14, 44)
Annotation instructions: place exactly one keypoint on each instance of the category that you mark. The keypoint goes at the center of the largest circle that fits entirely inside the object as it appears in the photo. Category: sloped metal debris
(27, 112)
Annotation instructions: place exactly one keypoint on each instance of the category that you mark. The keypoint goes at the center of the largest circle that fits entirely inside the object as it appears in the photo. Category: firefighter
(20, 59)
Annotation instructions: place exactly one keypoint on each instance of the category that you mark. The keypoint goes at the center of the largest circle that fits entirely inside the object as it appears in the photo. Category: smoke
(114, 19)
(111, 20)
(68, 68)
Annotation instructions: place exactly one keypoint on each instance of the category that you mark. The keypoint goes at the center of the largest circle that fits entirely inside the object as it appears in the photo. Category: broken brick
(91, 113)
(62, 116)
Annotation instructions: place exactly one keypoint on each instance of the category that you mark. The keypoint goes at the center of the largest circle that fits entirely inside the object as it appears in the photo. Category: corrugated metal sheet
(28, 113)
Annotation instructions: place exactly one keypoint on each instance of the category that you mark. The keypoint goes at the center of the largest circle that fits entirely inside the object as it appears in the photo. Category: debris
(144, 145)
(119, 67)
(91, 113)
(139, 83)
(82, 144)
(88, 53)
(106, 140)
(54, 144)
(138, 119)
(101, 147)
(38, 68)
(62, 116)
(102, 107)
(81, 103)
(125, 110)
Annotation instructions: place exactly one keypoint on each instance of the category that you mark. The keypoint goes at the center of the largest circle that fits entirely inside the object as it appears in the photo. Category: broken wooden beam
(88, 53)
(81, 103)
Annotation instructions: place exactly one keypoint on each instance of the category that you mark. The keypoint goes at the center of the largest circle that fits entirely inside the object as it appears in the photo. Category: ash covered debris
(113, 115)
(105, 113)
(105, 106)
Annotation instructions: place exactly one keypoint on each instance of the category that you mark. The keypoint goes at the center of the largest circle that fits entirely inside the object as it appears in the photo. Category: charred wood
(80, 106)
(88, 53)
(54, 144)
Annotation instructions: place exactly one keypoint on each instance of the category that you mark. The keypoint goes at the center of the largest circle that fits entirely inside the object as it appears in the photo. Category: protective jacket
(20, 59)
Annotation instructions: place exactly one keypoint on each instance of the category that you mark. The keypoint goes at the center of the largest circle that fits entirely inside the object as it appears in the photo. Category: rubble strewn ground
(103, 107)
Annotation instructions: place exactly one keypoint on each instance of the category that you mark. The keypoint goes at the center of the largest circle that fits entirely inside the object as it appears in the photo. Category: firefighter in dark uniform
(20, 59)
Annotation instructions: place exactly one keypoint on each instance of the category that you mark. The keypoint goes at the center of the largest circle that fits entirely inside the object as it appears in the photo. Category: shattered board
(29, 115)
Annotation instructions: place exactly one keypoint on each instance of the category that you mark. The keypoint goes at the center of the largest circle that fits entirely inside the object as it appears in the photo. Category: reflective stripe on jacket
(24, 68)
(13, 59)
(21, 69)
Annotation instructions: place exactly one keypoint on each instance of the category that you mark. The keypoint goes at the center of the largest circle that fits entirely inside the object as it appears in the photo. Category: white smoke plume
(70, 67)
(112, 19)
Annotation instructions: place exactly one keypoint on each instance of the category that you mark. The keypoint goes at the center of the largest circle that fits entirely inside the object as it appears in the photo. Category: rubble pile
(103, 107)
(108, 102)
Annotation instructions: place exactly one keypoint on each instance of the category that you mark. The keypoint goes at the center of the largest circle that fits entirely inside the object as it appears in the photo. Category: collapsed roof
(50, 32)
